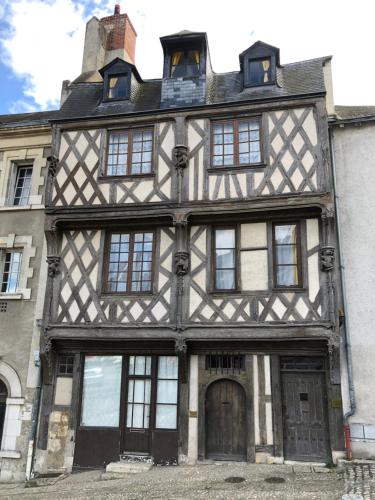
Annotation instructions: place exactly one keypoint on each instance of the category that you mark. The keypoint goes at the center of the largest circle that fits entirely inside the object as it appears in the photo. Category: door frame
(277, 387)
(242, 388)
(245, 379)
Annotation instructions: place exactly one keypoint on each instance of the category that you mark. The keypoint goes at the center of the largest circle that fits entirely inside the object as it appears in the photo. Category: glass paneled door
(151, 400)
(138, 404)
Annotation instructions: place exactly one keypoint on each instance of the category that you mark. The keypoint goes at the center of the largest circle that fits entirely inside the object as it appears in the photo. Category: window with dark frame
(129, 152)
(167, 393)
(65, 365)
(236, 143)
(260, 71)
(22, 186)
(117, 86)
(11, 272)
(185, 63)
(129, 266)
(287, 251)
(225, 259)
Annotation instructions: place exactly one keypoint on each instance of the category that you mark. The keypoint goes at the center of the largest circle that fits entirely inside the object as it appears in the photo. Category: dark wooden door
(305, 417)
(225, 421)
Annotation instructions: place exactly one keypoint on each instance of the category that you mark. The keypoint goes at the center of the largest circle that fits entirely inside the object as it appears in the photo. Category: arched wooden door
(225, 421)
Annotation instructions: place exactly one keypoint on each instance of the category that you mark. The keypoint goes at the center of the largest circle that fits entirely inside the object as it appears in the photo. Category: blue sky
(41, 41)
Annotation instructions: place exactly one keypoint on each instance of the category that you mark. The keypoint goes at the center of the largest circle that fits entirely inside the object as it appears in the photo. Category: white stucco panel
(254, 270)
(254, 235)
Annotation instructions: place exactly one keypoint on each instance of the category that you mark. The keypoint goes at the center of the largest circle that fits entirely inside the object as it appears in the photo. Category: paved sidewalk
(198, 482)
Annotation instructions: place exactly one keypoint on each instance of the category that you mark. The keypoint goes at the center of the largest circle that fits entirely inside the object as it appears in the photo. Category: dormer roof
(258, 49)
(120, 65)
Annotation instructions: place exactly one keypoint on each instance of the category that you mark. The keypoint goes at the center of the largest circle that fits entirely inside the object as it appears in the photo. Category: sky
(41, 41)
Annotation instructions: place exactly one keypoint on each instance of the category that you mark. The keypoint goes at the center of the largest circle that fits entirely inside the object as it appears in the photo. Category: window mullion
(235, 143)
(130, 265)
(130, 152)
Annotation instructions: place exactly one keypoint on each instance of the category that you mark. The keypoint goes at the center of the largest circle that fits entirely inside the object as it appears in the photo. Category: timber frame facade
(245, 356)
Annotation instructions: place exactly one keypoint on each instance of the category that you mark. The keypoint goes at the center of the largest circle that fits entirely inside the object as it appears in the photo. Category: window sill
(234, 169)
(109, 178)
(289, 289)
(11, 296)
(125, 295)
(10, 454)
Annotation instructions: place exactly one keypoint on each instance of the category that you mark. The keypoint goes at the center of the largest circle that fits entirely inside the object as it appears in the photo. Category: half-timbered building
(190, 310)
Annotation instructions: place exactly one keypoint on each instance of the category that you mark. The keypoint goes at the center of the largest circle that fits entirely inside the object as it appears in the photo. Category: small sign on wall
(193, 414)
(336, 403)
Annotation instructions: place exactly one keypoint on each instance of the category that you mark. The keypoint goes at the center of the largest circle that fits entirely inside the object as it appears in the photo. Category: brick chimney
(108, 38)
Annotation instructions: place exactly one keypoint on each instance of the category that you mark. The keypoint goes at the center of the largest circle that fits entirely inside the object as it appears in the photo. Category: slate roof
(27, 119)
(294, 80)
(85, 99)
(354, 112)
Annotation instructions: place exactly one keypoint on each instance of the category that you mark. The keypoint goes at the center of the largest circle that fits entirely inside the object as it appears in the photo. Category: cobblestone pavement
(199, 482)
(360, 480)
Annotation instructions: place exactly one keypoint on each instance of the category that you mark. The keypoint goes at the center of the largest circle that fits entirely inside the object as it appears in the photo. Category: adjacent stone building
(353, 139)
(25, 142)
(191, 305)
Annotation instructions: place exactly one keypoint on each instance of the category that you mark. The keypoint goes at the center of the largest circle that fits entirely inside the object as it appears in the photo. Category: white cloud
(44, 46)
(20, 106)
(46, 42)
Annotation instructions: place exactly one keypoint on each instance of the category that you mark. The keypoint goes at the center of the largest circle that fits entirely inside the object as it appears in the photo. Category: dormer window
(185, 63)
(260, 71)
(258, 65)
(117, 86)
(118, 78)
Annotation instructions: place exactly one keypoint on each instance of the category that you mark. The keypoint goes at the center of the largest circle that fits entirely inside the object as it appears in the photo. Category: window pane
(225, 279)
(286, 254)
(139, 365)
(168, 367)
(166, 416)
(259, 71)
(167, 391)
(117, 153)
(224, 259)
(225, 238)
(101, 391)
(117, 87)
(287, 275)
(23, 186)
(11, 272)
(286, 234)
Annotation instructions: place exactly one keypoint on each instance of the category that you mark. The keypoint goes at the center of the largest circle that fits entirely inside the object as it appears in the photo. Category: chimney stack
(108, 38)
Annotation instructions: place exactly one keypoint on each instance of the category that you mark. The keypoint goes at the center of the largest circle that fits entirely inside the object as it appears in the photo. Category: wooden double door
(305, 419)
(225, 421)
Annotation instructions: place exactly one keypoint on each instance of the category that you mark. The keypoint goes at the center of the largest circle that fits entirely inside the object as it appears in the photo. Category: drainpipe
(34, 426)
(345, 326)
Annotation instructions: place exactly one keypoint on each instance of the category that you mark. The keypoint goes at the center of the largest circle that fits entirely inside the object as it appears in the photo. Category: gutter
(34, 427)
(345, 326)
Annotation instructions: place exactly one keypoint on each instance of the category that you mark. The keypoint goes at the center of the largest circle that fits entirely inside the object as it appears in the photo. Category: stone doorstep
(116, 470)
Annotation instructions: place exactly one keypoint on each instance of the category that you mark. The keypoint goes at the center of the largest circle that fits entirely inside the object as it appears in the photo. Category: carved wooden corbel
(52, 162)
(181, 262)
(53, 262)
(180, 157)
(327, 258)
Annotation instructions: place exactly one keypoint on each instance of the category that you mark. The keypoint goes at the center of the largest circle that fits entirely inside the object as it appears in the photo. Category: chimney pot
(117, 10)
